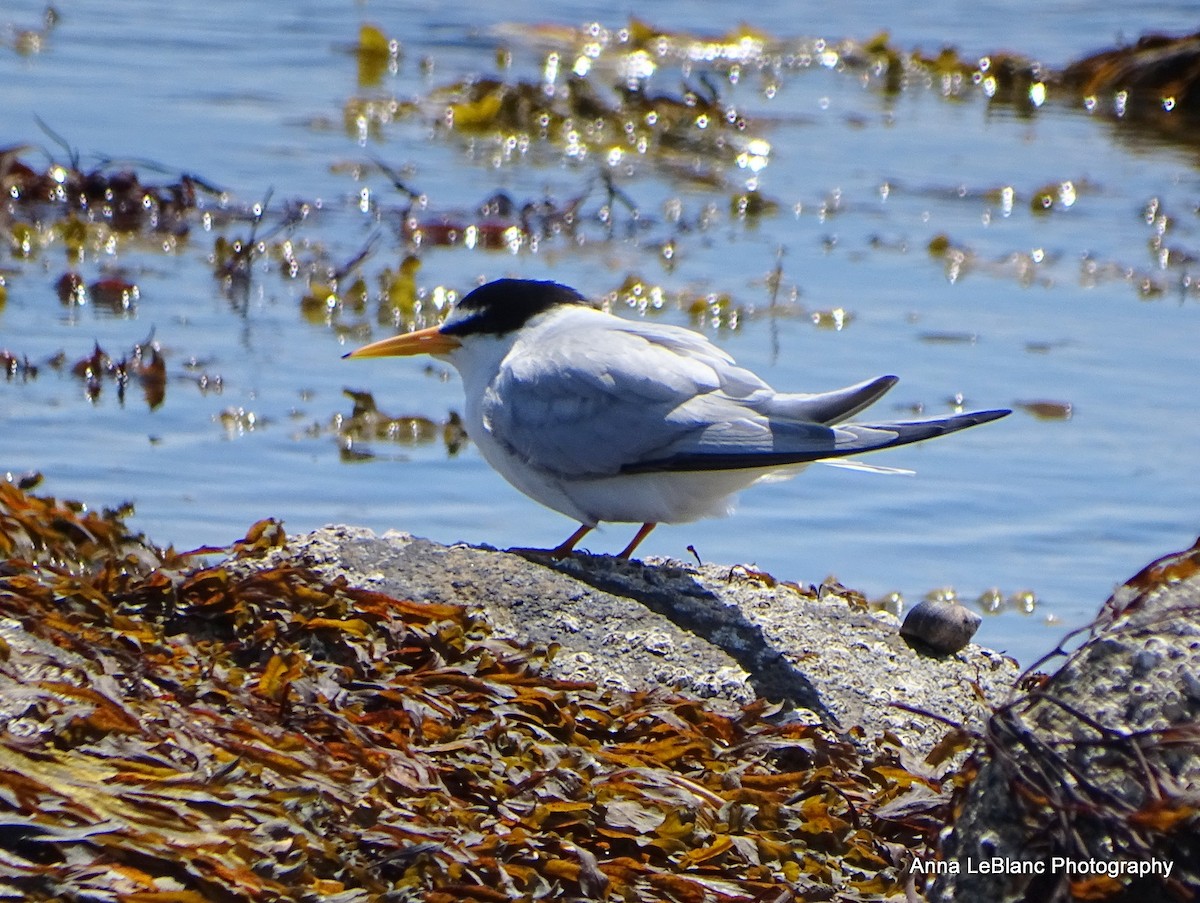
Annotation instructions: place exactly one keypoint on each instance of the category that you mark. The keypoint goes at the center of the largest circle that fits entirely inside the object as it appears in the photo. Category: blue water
(1044, 306)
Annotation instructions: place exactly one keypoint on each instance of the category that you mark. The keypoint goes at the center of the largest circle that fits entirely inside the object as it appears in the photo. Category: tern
(606, 419)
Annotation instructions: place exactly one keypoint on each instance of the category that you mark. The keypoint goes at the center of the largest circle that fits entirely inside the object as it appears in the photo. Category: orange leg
(642, 533)
(563, 549)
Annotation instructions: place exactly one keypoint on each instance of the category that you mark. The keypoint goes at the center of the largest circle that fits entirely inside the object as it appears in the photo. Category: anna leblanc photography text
(1001, 865)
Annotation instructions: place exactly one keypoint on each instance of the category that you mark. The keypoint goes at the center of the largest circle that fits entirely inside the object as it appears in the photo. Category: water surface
(1072, 306)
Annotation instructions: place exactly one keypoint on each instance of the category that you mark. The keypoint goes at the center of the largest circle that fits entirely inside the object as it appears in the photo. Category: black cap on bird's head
(494, 309)
(506, 305)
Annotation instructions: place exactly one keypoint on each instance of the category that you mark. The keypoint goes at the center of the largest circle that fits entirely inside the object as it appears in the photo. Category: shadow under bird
(606, 419)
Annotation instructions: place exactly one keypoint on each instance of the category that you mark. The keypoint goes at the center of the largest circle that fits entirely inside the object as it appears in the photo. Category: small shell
(944, 627)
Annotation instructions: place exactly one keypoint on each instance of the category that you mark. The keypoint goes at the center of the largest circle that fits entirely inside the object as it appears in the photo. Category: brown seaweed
(284, 734)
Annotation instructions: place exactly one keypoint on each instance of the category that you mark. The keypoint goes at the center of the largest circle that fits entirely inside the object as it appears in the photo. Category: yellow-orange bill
(423, 341)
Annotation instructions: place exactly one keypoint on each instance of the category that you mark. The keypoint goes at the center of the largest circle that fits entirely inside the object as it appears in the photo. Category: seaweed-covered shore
(181, 730)
(245, 723)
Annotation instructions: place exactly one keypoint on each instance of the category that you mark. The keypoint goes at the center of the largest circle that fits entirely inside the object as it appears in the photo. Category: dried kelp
(176, 730)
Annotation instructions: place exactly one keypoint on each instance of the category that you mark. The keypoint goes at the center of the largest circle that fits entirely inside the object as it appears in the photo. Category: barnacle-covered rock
(725, 635)
(1094, 771)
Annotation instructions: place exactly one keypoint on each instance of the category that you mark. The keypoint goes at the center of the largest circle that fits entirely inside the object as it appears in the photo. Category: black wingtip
(867, 440)
(988, 416)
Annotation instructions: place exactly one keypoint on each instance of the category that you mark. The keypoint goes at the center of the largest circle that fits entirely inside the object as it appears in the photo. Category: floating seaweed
(106, 196)
(144, 362)
(366, 424)
(1047, 409)
(1157, 78)
(29, 41)
(376, 54)
(16, 366)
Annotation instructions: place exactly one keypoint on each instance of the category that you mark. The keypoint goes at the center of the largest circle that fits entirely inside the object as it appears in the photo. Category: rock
(721, 634)
(1098, 765)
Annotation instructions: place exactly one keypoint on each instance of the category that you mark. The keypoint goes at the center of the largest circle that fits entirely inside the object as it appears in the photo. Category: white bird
(606, 419)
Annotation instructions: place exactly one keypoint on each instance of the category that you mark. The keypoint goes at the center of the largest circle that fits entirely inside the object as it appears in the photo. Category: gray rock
(1098, 764)
(721, 634)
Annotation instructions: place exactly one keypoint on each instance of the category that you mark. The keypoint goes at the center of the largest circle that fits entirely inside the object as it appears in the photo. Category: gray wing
(639, 399)
(596, 402)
